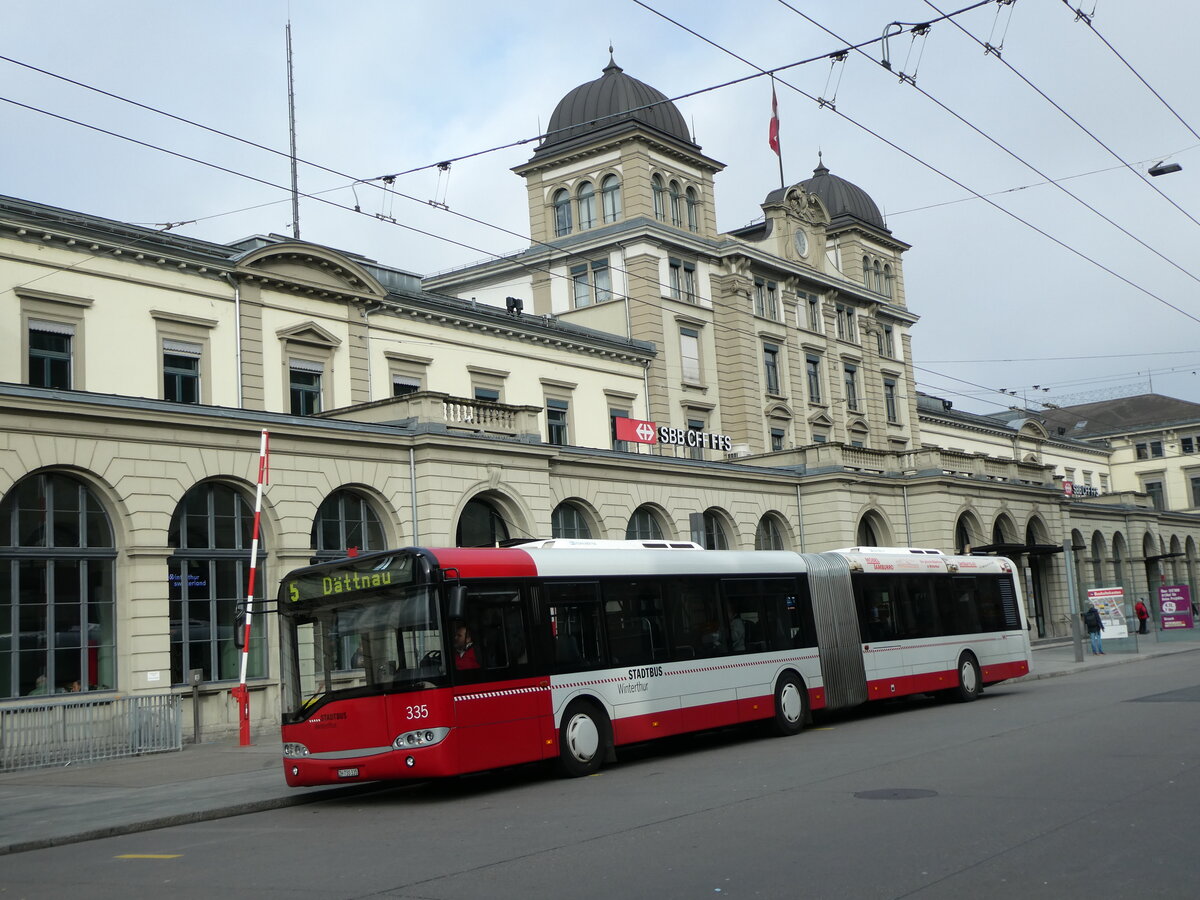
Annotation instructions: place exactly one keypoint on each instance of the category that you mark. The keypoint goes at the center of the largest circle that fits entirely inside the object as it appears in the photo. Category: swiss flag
(636, 430)
(773, 133)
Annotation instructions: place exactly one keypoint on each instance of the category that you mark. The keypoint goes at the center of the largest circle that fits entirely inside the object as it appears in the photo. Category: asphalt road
(1086, 786)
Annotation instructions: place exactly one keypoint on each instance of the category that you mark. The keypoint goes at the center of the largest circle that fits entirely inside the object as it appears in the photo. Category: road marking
(149, 856)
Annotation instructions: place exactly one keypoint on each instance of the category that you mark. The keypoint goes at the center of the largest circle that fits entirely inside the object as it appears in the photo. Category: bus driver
(464, 648)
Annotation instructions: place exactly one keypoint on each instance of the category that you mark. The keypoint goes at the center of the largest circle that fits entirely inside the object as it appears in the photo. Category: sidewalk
(49, 807)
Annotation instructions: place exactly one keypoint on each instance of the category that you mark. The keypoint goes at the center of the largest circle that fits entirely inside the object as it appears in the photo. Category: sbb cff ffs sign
(642, 432)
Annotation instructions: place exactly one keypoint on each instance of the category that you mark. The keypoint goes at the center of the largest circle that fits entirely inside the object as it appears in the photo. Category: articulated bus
(419, 663)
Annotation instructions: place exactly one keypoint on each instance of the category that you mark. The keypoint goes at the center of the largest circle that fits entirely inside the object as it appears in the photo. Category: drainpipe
(800, 516)
(237, 332)
(907, 523)
(412, 487)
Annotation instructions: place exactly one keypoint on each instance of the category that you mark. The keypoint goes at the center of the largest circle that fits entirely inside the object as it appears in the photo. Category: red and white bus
(418, 663)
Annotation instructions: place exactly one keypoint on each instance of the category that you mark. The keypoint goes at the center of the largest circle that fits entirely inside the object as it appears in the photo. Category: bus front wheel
(791, 705)
(583, 739)
(970, 682)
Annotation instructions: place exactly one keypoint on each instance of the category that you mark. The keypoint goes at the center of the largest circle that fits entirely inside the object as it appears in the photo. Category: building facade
(138, 370)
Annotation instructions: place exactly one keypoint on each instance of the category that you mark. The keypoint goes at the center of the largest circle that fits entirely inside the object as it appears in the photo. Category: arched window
(693, 210)
(714, 532)
(567, 521)
(660, 202)
(57, 605)
(867, 272)
(562, 213)
(878, 285)
(887, 280)
(676, 212)
(587, 205)
(963, 538)
(344, 521)
(643, 526)
(867, 536)
(207, 580)
(767, 535)
(610, 198)
(480, 525)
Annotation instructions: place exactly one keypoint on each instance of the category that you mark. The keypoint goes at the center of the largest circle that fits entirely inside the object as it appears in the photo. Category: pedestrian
(1143, 615)
(1091, 619)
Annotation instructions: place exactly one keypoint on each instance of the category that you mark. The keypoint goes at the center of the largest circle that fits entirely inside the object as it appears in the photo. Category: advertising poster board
(1175, 607)
(1110, 603)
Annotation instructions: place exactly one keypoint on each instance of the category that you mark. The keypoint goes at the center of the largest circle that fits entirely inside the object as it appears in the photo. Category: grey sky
(384, 87)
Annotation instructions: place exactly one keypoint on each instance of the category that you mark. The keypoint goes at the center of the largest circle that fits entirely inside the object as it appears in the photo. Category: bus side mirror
(456, 601)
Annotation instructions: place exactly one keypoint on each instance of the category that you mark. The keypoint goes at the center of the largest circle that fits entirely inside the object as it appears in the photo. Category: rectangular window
(613, 415)
(777, 438)
(304, 382)
(772, 301)
(689, 353)
(602, 280)
(813, 305)
(689, 282)
(50, 354)
(405, 384)
(851, 380)
(1103, 483)
(181, 371)
(1143, 451)
(1195, 482)
(847, 325)
(580, 287)
(1155, 490)
(887, 347)
(1087, 478)
(1188, 445)
(1156, 450)
(696, 452)
(889, 399)
(760, 297)
(556, 422)
(771, 367)
(675, 271)
(812, 368)
(487, 395)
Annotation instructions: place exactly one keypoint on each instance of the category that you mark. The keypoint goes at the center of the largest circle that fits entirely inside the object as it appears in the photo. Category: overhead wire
(912, 83)
(409, 197)
(1075, 121)
(1088, 19)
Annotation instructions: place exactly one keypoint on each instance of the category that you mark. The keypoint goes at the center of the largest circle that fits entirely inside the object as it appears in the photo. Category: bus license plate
(347, 773)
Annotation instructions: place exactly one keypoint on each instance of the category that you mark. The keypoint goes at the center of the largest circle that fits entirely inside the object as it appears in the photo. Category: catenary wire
(979, 131)
(934, 169)
(1077, 123)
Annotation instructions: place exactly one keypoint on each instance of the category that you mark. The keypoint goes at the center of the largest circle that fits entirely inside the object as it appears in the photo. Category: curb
(1118, 660)
(190, 818)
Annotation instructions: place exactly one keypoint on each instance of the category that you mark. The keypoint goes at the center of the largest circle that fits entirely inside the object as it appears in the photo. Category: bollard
(195, 677)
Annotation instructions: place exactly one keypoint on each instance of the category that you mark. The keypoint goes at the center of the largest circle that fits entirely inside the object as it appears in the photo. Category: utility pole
(292, 136)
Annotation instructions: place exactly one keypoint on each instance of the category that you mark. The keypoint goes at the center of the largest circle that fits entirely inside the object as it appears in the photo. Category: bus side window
(633, 618)
(797, 614)
(496, 622)
(696, 628)
(572, 615)
(758, 613)
(874, 595)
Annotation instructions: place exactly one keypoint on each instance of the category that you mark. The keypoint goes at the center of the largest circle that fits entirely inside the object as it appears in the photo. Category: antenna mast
(292, 136)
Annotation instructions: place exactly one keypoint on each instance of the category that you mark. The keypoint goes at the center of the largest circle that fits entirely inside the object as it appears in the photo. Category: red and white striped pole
(240, 692)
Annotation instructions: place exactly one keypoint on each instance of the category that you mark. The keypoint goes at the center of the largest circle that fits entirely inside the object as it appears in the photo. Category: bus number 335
(417, 712)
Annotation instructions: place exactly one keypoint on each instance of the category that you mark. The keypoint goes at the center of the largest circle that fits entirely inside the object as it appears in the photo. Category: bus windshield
(385, 641)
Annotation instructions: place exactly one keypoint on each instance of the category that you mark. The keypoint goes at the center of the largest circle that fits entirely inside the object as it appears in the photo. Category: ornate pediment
(308, 333)
(293, 264)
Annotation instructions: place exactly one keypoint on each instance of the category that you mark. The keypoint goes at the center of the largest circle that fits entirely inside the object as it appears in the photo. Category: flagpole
(773, 133)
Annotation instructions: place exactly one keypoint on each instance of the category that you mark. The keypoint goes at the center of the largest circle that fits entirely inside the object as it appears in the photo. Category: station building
(772, 365)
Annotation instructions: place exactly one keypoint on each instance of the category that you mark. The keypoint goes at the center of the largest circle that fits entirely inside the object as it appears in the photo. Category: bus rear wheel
(970, 682)
(583, 739)
(791, 705)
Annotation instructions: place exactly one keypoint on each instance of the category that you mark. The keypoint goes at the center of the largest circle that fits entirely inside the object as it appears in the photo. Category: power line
(913, 84)
(932, 168)
(1076, 122)
(1081, 16)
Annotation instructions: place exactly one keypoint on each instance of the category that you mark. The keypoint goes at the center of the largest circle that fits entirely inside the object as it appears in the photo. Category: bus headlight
(423, 738)
(293, 750)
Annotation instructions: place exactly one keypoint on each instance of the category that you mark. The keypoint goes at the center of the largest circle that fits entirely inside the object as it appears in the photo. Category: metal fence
(59, 731)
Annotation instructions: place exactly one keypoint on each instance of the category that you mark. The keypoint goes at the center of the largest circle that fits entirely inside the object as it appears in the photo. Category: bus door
(883, 653)
(646, 699)
(501, 706)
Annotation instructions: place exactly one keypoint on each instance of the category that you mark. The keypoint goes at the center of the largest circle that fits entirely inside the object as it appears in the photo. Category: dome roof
(843, 199)
(613, 98)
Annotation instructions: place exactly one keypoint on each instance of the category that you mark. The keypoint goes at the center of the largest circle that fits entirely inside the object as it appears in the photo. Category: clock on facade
(801, 240)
